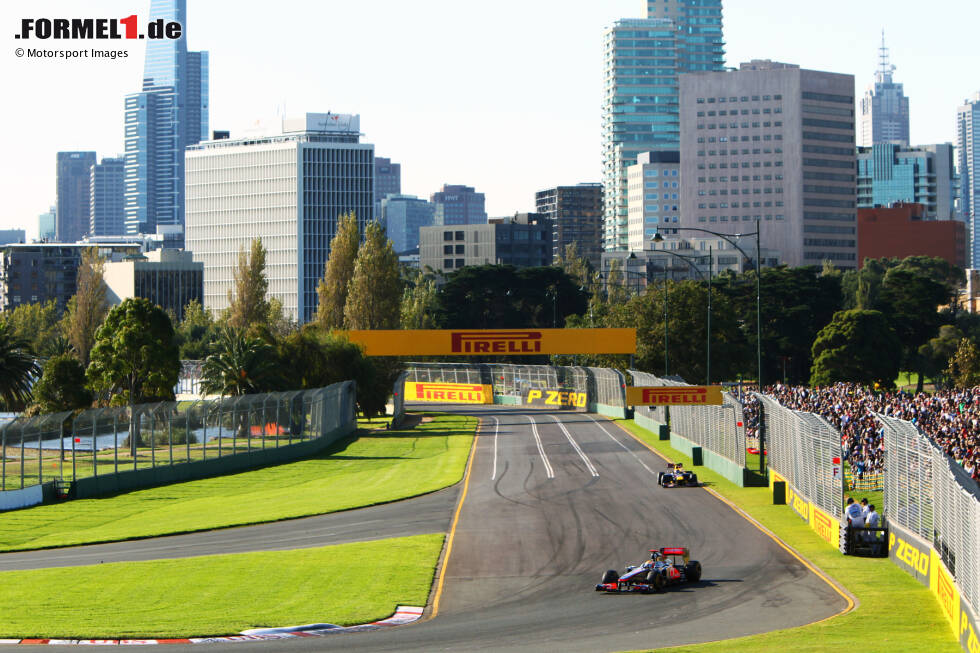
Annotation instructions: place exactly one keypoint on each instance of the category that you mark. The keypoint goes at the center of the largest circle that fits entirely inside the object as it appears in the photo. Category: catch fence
(927, 493)
(720, 429)
(155, 442)
(605, 389)
(805, 449)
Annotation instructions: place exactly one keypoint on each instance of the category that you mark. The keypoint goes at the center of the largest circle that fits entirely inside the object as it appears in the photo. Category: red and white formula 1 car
(666, 566)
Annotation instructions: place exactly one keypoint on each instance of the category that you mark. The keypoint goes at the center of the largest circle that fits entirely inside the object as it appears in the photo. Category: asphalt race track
(552, 500)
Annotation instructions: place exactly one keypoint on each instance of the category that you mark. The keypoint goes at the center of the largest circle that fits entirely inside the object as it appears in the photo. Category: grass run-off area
(220, 595)
(376, 467)
(894, 612)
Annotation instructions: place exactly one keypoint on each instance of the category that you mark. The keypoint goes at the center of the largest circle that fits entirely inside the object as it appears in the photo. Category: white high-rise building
(884, 107)
(288, 190)
(968, 163)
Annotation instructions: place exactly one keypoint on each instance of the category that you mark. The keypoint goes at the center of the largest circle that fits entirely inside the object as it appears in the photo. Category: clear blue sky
(503, 96)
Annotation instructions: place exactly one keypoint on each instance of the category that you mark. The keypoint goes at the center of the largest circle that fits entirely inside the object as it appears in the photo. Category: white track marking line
(625, 448)
(537, 438)
(578, 449)
(496, 431)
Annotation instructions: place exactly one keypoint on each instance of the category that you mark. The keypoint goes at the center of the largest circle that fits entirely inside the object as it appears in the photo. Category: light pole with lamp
(658, 237)
(691, 266)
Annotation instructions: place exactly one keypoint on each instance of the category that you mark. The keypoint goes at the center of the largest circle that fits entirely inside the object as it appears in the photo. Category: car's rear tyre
(655, 580)
(611, 576)
(694, 571)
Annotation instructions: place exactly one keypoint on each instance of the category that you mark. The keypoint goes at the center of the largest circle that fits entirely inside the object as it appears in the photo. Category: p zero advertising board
(555, 398)
(448, 393)
(674, 395)
(483, 342)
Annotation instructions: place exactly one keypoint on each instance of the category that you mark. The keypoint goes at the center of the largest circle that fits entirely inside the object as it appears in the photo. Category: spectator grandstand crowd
(951, 418)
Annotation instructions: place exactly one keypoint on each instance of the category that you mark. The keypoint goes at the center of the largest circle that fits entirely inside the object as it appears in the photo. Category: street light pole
(658, 237)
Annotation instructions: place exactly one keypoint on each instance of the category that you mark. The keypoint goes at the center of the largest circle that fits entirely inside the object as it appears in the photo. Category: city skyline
(451, 104)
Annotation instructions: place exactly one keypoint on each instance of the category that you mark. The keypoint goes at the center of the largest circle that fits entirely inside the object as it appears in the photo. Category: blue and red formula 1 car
(666, 566)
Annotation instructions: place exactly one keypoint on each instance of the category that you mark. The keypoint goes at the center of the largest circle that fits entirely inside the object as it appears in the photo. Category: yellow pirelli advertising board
(449, 393)
(674, 395)
(482, 342)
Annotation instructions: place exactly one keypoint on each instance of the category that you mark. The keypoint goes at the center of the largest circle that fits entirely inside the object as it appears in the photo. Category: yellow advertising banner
(449, 393)
(477, 342)
(826, 526)
(674, 395)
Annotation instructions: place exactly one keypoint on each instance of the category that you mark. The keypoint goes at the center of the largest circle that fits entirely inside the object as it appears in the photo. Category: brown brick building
(901, 230)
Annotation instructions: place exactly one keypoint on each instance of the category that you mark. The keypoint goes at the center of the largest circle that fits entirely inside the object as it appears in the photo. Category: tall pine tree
(375, 291)
(248, 305)
(88, 307)
(338, 272)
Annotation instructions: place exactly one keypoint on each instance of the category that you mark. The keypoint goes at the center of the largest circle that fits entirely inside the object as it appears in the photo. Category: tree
(88, 307)
(35, 324)
(964, 366)
(339, 270)
(375, 290)
(196, 333)
(248, 307)
(279, 325)
(911, 298)
(577, 267)
(419, 300)
(317, 359)
(18, 369)
(857, 346)
(616, 284)
(62, 386)
(936, 354)
(242, 365)
(135, 358)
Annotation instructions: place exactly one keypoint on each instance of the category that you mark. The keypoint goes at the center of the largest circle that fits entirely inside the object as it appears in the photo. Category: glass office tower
(643, 58)
(968, 165)
(167, 115)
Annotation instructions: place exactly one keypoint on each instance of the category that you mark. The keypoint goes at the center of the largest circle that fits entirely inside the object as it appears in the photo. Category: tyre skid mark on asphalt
(625, 448)
(496, 432)
(537, 438)
(578, 449)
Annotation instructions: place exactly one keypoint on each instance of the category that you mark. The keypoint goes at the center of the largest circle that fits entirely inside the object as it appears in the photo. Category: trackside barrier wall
(175, 441)
(802, 451)
(933, 510)
(605, 389)
(716, 429)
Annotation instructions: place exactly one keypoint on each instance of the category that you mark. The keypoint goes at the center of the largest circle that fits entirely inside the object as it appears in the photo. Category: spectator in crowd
(950, 418)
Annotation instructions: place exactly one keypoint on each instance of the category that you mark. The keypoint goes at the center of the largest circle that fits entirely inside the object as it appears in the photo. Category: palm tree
(18, 369)
(241, 365)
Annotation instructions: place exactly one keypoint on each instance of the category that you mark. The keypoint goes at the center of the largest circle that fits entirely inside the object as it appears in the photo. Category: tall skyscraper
(73, 175)
(108, 192)
(771, 146)
(884, 107)
(387, 180)
(288, 190)
(643, 58)
(968, 163)
(575, 214)
(167, 115)
(457, 204)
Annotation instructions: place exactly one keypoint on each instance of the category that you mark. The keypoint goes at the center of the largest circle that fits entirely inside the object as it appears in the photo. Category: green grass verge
(220, 595)
(895, 613)
(375, 468)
